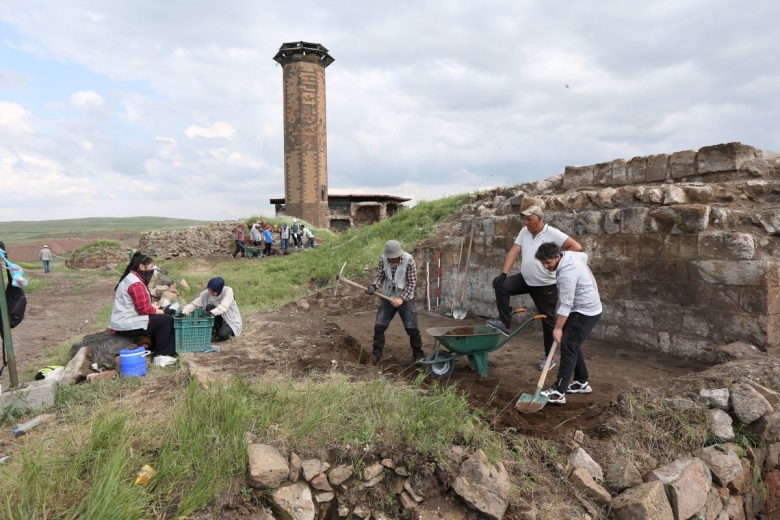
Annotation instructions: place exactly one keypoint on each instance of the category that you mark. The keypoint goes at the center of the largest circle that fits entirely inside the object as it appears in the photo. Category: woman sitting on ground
(218, 300)
(135, 315)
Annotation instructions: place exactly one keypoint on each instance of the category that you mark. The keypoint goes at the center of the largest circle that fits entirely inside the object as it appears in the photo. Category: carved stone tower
(305, 137)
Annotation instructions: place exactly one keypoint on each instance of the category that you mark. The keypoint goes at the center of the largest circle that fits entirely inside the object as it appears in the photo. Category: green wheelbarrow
(475, 342)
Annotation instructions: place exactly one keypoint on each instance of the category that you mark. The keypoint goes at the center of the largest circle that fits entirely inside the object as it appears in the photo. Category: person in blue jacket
(269, 240)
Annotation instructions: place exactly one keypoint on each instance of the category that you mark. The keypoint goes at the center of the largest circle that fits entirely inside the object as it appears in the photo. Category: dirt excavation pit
(337, 336)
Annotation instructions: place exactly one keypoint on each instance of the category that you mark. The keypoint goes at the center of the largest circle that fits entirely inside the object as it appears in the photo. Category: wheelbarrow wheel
(442, 369)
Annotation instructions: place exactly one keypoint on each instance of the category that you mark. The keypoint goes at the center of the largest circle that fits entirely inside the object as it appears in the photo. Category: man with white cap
(533, 279)
(397, 275)
(45, 257)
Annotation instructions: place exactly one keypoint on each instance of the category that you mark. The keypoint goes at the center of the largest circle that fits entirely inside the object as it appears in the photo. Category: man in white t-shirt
(578, 313)
(532, 279)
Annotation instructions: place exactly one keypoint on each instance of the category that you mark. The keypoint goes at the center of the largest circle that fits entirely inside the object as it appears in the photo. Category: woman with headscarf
(240, 241)
(218, 300)
(135, 315)
(254, 235)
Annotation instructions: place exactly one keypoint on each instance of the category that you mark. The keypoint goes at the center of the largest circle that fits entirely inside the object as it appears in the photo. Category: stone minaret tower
(305, 138)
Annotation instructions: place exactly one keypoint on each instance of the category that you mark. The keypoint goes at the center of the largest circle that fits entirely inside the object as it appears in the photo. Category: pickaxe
(340, 278)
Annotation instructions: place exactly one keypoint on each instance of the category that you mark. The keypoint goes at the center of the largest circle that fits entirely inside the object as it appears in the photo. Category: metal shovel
(528, 403)
(460, 310)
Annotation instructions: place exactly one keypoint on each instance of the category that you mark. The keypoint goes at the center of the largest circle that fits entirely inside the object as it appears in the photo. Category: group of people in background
(262, 235)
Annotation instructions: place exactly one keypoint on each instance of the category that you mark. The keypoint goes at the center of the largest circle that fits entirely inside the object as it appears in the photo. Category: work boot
(417, 354)
(376, 357)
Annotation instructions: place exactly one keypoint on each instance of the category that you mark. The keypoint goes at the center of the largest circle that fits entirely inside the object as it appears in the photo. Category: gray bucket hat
(393, 249)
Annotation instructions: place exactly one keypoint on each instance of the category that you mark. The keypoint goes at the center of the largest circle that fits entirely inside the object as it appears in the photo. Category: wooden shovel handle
(353, 284)
(468, 258)
(547, 364)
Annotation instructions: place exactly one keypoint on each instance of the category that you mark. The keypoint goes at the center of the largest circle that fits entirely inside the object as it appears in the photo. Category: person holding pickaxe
(397, 275)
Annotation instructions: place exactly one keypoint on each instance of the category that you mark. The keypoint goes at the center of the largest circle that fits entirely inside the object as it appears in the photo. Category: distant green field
(21, 231)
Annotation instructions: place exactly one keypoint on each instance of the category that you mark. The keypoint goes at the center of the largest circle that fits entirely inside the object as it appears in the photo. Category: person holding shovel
(578, 313)
(397, 275)
(532, 279)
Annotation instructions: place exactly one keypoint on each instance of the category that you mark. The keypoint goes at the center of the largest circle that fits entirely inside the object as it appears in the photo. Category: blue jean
(385, 314)
(576, 330)
(45, 266)
(285, 243)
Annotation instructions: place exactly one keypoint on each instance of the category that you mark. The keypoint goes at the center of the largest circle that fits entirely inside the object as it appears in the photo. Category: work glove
(499, 280)
(371, 289)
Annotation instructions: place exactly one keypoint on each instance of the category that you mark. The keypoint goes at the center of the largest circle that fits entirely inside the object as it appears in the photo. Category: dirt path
(336, 334)
(64, 308)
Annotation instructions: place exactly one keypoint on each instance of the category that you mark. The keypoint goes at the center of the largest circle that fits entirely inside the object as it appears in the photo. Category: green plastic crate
(193, 332)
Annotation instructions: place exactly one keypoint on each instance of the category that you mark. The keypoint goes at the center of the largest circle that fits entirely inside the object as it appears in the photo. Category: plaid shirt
(141, 299)
(411, 277)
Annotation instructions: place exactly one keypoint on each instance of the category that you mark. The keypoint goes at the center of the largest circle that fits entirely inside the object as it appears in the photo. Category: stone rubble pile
(723, 481)
(307, 489)
(215, 239)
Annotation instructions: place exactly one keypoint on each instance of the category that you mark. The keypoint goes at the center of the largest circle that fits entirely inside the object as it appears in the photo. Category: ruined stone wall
(215, 239)
(683, 246)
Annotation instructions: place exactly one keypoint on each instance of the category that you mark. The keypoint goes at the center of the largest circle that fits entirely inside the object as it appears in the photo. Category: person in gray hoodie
(578, 313)
(218, 300)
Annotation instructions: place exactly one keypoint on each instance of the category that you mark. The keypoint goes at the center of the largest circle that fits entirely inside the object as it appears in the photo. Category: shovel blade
(528, 403)
(459, 313)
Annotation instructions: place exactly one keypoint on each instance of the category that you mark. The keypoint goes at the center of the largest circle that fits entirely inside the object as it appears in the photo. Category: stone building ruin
(684, 246)
(306, 148)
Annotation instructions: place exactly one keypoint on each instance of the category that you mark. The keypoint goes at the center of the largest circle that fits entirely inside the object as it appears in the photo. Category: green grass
(272, 282)
(21, 231)
(197, 442)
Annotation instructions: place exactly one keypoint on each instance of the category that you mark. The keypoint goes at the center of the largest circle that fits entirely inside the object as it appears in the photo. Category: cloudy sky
(168, 108)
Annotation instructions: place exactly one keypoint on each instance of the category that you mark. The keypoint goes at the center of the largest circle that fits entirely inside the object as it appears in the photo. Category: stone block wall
(684, 246)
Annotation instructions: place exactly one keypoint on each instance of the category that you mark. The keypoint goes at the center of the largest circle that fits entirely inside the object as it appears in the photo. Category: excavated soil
(326, 333)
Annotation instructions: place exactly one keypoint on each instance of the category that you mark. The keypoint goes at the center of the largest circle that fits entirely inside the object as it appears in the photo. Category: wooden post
(8, 343)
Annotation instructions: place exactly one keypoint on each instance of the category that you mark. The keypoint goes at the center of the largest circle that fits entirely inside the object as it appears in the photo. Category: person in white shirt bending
(578, 313)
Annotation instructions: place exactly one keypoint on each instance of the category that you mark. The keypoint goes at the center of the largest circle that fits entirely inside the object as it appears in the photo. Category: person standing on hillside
(269, 240)
(240, 241)
(532, 279)
(295, 231)
(134, 314)
(219, 301)
(397, 275)
(45, 257)
(578, 313)
(254, 235)
(284, 238)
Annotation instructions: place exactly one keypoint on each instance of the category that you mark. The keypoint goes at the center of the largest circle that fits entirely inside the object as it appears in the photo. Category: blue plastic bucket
(132, 362)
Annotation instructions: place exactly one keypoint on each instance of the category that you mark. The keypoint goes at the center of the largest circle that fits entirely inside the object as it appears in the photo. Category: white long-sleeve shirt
(577, 288)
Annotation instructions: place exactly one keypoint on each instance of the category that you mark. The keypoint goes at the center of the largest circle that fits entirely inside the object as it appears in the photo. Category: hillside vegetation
(21, 230)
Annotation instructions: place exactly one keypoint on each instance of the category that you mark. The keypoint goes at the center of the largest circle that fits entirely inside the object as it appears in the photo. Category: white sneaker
(579, 387)
(164, 361)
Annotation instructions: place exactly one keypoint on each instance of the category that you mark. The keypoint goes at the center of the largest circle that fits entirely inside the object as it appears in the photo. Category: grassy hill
(21, 231)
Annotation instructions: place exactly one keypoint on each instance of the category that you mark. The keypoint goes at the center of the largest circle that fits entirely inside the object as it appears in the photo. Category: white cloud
(14, 117)
(214, 130)
(86, 100)
(424, 99)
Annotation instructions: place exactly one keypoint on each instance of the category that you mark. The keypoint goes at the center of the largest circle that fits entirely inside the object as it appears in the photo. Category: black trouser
(385, 314)
(267, 251)
(575, 331)
(545, 298)
(161, 330)
(221, 328)
(296, 237)
(240, 248)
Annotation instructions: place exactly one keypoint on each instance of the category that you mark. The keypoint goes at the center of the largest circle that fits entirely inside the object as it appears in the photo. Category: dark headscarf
(216, 285)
